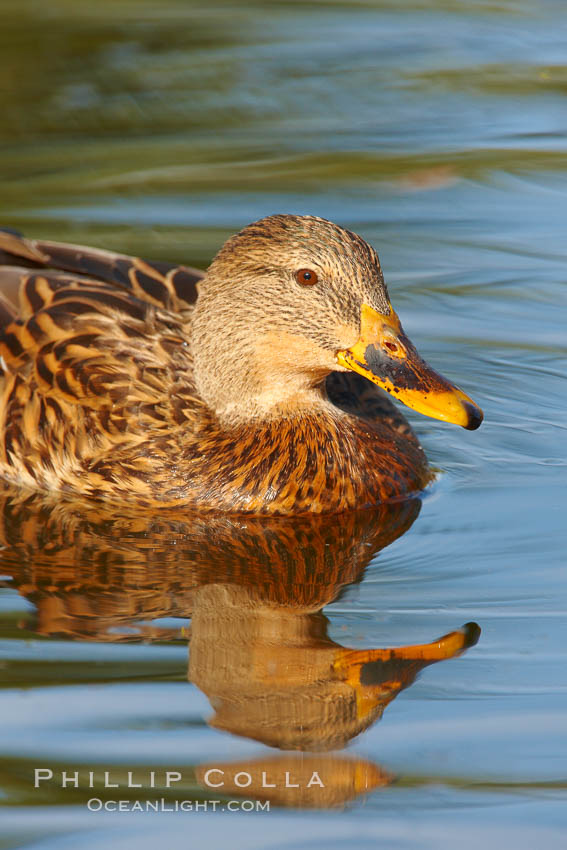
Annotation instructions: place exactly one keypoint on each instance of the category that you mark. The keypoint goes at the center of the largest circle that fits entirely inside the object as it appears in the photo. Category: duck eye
(306, 277)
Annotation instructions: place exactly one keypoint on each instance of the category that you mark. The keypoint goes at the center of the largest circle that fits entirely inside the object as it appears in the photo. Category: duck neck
(243, 401)
(245, 377)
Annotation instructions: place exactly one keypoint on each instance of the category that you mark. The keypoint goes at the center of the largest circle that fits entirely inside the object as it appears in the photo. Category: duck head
(290, 299)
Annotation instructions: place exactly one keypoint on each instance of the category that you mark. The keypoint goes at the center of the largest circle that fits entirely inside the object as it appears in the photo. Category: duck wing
(162, 284)
(96, 358)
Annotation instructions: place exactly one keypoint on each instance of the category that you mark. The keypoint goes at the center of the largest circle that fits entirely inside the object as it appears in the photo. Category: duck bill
(385, 356)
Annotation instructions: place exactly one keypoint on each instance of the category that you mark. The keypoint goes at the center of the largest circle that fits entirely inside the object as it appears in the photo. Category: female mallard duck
(231, 391)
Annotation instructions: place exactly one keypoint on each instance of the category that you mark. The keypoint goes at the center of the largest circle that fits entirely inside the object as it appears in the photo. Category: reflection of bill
(330, 695)
(274, 675)
(254, 589)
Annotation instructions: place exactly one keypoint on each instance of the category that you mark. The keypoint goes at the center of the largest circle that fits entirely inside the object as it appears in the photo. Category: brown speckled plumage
(115, 386)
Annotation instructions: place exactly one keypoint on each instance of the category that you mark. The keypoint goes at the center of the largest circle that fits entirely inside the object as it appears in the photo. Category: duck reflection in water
(254, 589)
